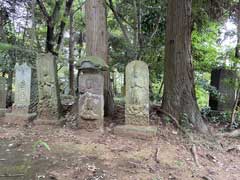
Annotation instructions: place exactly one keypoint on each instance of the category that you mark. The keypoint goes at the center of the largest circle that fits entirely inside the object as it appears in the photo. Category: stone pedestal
(137, 102)
(22, 110)
(21, 119)
(2, 112)
(140, 132)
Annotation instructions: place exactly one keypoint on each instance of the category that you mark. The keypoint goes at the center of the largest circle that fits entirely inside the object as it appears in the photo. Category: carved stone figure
(91, 100)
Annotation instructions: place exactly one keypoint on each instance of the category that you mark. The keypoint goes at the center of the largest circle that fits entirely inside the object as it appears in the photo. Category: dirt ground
(82, 155)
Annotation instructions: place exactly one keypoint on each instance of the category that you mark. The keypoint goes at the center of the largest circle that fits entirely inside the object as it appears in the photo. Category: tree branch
(123, 28)
(80, 6)
(155, 30)
(56, 11)
(63, 24)
(43, 10)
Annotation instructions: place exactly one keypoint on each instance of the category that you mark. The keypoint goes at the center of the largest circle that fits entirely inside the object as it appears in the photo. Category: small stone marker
(49, 101)
(3, 95)
(22, 108)
(137, 102)
(91, 89)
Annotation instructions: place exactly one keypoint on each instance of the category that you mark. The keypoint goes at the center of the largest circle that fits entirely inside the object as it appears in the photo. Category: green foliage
(184, 121)
(205, 50)
(10, 55)
(41, 143)
(5, 47)
(166, 119)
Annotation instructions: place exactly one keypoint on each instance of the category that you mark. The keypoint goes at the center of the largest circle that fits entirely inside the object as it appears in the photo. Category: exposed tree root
(11, 175)
(193, 148)
(194, 153)
(158, 108)
(233, 134)
(156, 156)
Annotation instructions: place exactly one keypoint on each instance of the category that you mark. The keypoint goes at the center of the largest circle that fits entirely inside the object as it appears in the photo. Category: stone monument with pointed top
(22, 110)
(137, 102)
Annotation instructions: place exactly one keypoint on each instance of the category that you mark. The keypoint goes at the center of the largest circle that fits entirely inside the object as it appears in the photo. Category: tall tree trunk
(9, 88)
(97, 43)
(80, 43)
(50, 39)
(237, 55)
(33, 28)
(71, 56)
(179, 94)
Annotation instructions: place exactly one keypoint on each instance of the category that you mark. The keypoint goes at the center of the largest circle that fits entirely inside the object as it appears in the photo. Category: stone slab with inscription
(137, 102)
(21, 110)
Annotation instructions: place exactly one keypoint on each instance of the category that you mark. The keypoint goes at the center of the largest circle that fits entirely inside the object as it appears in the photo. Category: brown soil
(82, 155)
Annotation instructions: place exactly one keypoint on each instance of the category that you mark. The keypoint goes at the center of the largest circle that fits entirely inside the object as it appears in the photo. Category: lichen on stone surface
(96, 61)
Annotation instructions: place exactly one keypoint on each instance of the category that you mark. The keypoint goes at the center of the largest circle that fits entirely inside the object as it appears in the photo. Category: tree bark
(71, 56)
(97, 43)
(63, 24)
(179, 93)
(9, 88)
(51, 21)
(237, 55)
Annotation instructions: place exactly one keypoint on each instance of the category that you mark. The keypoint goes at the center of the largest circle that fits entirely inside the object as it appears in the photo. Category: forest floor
(83, 155)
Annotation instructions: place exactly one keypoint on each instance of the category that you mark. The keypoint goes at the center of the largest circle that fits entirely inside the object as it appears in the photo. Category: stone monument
(137, 102)
(22, 110)
(3, 95)
(223, 80)
(91, 90)
(22, 88)
(48, 96)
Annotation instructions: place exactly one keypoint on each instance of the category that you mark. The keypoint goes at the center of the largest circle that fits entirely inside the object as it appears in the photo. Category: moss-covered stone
(98, 62)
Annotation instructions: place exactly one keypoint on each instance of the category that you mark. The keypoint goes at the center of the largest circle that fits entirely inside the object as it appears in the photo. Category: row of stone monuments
(35, 92)
(36, 95)
(91, 100)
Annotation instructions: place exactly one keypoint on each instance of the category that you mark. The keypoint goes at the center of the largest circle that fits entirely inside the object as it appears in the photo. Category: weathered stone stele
(3, 95)
(23, 108)
(91, 99)
(49, 101)
(137, 94)
(137, 103)
(22, 87)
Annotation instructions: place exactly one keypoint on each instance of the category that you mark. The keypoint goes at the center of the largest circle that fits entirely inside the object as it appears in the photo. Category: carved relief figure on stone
(89, 83)
(89, 107)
